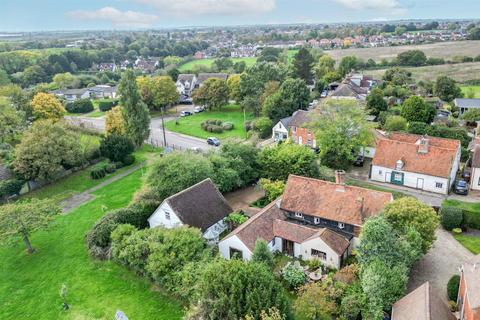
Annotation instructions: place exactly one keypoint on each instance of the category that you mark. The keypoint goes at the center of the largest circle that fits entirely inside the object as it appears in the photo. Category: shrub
(457, 230)
(116, 147)
(227, 126)
(263, 126)
(106, 105)
(293, 275)
(128, 159)
(110, 167)
(451, 217)
(98, 172)
(452, 287)
(80, 106)
(472, 219)
(215, 128)
(10, 187)
(452, 305)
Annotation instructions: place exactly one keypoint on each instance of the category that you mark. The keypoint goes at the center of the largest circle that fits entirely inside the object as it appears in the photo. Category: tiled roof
(335, 241)
(438, 161)
(476, 157)
(184, 77)
(341, 203)
(204, 76)
(299, 118)
(471, 272)
(292, 231)
(421, 304)
(200, 206)
(260, 226)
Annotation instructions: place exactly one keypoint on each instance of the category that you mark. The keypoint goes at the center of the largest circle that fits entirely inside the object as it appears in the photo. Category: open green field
(81, 180)
(471, 90)
(30, 284)
(249, 61)
(461, 72)
(191, 125)
(472, 243)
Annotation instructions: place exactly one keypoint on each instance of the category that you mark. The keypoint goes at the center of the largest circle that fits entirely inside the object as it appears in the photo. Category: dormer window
(341, 225)
(316, 220)
(298, 215)
(399, 164)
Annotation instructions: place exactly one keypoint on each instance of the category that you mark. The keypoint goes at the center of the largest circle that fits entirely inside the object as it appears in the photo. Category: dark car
(213, 141)
(461, 187)
(359, 160)
(466, 174)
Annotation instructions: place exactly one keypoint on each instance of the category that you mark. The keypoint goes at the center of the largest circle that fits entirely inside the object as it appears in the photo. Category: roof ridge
(189, 188)
(415, 143)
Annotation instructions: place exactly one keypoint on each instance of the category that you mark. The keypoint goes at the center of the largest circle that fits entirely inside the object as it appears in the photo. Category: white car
(198, 109)
(324, 94)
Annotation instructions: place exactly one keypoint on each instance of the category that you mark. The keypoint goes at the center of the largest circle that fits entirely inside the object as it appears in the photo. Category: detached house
(294, 127)
(421, 162)
(422, 303)
(185, 84)
(469, 292)
(466, 104)
(314, 219)
(201, 206)
(202, 77)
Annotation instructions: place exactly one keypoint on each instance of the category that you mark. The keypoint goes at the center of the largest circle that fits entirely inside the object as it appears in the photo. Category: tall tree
(325, 65)
(292, 95)
(12, 121)
(302, 64)
(348, 64)
(158, 92)
(213, 94)
(135, 112)
(47, 106)
(416, 109)
(447, 89)
(20, 219)
(375, 102)
(233, 84)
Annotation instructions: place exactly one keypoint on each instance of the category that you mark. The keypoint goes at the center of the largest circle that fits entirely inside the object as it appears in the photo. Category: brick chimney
(423, 145)
(340, 177)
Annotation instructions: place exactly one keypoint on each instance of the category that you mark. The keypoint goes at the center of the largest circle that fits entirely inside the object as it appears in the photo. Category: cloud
(392, 6)
(116, 17)
(205, 7)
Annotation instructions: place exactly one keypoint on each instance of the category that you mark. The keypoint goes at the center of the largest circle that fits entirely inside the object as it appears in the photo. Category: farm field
(191, 125)
(30, 284)
(249, 61)
(461, 72)
(446, 50)
(475, 90)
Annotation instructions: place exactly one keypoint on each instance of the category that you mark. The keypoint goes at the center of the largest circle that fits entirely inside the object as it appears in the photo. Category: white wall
(475, 179)
(235, 243)
(368, 152)
(158, 218)
(215, 230)
(332, 259)
(410, 179)
(279, 129)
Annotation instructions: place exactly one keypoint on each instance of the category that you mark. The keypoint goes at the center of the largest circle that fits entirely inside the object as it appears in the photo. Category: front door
(420, 183)
(287, 247)
(388, 176)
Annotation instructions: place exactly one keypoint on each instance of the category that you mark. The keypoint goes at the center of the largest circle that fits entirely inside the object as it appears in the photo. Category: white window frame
(167, 215)
(341, 225)
(298, 215)
(316, 220)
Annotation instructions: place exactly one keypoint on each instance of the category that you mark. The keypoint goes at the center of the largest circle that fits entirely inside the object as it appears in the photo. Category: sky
(45, 15)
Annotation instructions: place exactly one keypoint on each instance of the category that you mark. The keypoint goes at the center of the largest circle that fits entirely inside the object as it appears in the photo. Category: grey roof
(71, 91)
(421, 304)
(286, 121)
(185, 77)
(205, 76)
(349, 90)
(299, 118)
(103, 88)
(467, 103)
(200, 206)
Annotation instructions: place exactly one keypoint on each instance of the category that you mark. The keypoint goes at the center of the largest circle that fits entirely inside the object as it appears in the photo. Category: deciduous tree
(416, 109)
(213, 94)
(114, 123)
(375, 102)
(447, 89)
(47, 106)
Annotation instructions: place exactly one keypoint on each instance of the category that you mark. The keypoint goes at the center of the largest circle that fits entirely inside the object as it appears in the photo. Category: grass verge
(472, 243)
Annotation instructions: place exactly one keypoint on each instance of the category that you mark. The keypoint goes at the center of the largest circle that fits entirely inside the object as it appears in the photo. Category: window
(319, 254)
(298, 215)
(397, 177)
(167, 215)
(273, 242)
(316, 220)
(439, 185)
(380, 172)
(341, 225)
(294, 129)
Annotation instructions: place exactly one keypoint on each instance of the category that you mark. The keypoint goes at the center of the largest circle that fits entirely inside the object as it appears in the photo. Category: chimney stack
(340, 177)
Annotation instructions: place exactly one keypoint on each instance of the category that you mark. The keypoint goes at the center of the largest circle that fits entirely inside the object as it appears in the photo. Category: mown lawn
(30, 284)
(469, 206)
(472, 243)
(81, 180)
(467, 90)
(191, 125)
(249, 61)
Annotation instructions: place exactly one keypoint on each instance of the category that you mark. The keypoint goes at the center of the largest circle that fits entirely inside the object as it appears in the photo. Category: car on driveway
(324, 94)
(466, 175)
(359, 160)
(198, 109)
(461, 187)
(185, 113)
(213, 141)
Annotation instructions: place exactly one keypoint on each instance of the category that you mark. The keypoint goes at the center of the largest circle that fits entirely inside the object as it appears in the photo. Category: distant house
(294, 127)
(202, 77)
(469, 292)
(185, 84)
(420, 162)
(350, 91)
(103, 92)
(71, 95)
(314, 219)
(201, 206)
(422, 303)
(466, 104)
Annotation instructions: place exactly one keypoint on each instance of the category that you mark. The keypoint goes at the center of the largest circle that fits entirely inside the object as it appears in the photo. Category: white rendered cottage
(201, 206)
(425, 163)
(315, 219)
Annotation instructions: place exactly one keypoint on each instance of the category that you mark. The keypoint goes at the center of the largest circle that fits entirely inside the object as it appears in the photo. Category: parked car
(460, 187)
(198, 109)
(324, 94)
(359, 160)
(466, 175)
(213, 141)
(185, 113)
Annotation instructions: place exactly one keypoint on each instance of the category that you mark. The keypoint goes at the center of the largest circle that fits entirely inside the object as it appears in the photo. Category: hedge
(106, 105)
(451, 217)
(102, 169)
(10, 187)
(452, 287)
(216, 126)
(80, 106)
(471, 219)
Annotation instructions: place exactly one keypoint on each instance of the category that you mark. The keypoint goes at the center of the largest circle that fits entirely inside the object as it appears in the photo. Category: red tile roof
(347, 204)
(292, 231)
(438, 161)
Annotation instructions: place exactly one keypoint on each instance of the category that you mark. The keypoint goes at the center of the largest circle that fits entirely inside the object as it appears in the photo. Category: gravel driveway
(439, 264)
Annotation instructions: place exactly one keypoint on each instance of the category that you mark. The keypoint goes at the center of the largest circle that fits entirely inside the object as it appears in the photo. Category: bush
(451, 217)
(452, 287)
(227, 126)
(106, 105)
(80, 106)
(471, 219)
(216, 126)
(98, 172)
(457, 230)
(293, 275)
(10, 187)
(263, 126)
(128, 160)
(110, 167)
(116, 147)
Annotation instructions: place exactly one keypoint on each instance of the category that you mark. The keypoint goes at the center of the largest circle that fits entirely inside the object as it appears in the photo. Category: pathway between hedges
(85, 196)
